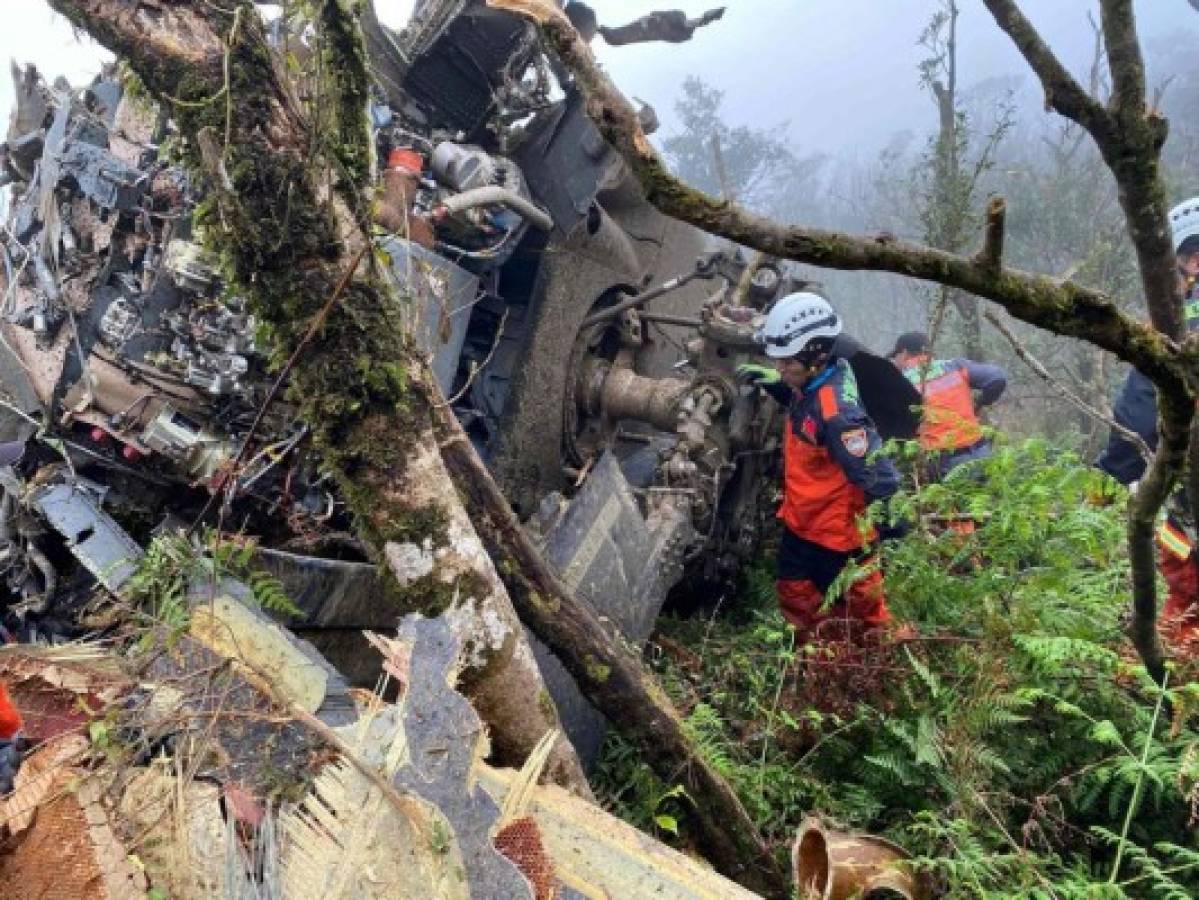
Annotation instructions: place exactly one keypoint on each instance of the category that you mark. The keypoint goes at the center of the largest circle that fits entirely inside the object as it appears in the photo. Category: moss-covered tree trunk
(288, 213)
(288, 210)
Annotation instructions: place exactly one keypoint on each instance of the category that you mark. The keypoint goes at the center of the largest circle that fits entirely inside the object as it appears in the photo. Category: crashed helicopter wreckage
(586, 351)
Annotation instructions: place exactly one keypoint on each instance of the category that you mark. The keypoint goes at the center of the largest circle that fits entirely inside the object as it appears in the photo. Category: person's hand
(752, 373)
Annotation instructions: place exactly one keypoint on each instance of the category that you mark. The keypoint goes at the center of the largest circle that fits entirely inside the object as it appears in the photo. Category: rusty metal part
(394, 209)
(838, 865)
(617, 392)
(733, 327)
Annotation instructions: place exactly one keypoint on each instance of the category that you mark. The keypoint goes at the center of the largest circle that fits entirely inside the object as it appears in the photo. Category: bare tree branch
(991, 254)
(1038, 369)
(1131, 151)
(1123, 57)
(1064, 308)
(1062, 92)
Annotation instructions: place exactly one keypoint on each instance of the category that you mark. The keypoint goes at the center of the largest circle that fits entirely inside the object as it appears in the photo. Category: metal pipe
(664, 319)
(494, 194)
(623, 394)
(839, 865)
(639, 299)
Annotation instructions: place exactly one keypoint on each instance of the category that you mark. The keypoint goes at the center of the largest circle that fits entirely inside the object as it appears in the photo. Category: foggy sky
(842, 73)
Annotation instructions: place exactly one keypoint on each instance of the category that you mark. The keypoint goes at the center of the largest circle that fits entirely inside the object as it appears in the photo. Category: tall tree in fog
(948, 179)
(1066, 220)
(756, 167)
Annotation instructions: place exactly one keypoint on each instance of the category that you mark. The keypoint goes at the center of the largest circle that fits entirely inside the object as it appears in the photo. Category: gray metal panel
(93, 537)
(600, 546)
(332, 593)
(447, 293)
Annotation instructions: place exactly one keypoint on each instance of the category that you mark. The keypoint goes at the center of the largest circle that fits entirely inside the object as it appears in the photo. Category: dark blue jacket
(1136, 410)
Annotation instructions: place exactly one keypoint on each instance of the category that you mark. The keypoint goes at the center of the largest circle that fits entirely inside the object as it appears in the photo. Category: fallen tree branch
(610, 674)
(290, 224)
(1064, 308)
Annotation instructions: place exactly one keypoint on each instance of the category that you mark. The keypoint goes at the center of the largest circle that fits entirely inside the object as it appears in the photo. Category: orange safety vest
(820, 504)
(949, 422)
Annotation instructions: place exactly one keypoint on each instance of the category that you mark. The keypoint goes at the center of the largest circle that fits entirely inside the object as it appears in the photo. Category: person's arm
(1136, 410)
(990, 381)
(854, 444)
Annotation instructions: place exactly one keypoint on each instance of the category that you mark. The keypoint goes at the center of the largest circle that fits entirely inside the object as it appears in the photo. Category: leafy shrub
(1016, 747)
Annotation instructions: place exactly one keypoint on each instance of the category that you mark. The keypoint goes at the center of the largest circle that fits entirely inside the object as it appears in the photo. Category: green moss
(545, 604)
(545, 703)
(431, 596)
(279, 246)
(596, 671)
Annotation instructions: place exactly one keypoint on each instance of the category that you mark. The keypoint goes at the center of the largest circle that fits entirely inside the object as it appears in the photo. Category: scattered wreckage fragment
(512, 226)
(201, 778)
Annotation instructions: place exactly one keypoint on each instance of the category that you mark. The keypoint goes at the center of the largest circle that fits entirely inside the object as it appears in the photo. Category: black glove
(893, 531)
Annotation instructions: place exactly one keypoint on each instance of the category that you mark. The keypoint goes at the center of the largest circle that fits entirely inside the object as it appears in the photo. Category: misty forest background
(1063, 216)
(1016, 747)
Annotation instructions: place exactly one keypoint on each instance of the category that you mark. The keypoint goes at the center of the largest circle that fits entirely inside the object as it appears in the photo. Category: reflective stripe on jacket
(831, 469)
(1174, 539)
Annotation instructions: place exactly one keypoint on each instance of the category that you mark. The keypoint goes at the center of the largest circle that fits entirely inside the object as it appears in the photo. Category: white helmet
(1184, 221)
(795, 321)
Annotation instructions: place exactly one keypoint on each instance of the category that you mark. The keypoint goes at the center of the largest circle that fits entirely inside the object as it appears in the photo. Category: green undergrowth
(175, 563)
(1015, 747)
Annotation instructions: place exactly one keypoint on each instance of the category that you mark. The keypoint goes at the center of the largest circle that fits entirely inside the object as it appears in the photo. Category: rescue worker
(1136, 410)
(949, 431)
(831, 468)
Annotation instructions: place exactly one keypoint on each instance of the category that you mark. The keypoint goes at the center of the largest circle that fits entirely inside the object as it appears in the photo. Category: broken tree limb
(288, 224)
(991, 254)
(611, 675)
(1129, 140)
(1061, 307)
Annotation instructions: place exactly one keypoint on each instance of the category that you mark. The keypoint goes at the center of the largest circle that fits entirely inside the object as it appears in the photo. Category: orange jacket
(830, 470)
(10, 719)
(950, 421)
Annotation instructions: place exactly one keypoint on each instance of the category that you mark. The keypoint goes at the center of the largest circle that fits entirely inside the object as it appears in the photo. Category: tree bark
(287, 221)
(949, 217)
